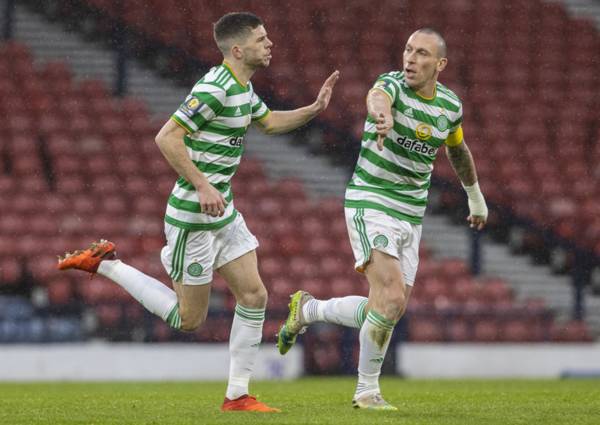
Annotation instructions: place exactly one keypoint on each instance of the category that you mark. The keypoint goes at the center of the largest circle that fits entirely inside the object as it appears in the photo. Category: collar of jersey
(428, 99)
(228, 68)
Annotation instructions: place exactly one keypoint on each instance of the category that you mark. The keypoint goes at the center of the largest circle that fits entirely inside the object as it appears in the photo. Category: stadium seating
(501, 72)
(89, 162)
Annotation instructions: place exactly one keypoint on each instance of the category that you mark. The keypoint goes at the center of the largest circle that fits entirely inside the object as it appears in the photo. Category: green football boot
(295, 324)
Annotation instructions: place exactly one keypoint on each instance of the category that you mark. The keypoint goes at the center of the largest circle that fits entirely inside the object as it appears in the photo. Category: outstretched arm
(462, 161)
(278, 122)
(379, 107)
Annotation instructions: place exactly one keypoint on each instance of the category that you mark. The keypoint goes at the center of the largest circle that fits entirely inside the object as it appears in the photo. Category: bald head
(442, 50)
(423, 59)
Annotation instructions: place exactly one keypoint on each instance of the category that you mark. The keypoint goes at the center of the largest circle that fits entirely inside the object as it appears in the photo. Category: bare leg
(193, 304)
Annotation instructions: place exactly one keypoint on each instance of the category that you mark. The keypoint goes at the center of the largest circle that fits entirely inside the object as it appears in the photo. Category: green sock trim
(174, 319)
(380, 321)
(255, 314)
(361, 315)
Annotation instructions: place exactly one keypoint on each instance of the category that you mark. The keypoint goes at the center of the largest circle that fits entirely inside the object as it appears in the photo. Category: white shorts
(371, 229)
(191, 256)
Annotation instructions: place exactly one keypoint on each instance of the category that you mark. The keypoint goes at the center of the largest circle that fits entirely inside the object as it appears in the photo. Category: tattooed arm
(462, 161)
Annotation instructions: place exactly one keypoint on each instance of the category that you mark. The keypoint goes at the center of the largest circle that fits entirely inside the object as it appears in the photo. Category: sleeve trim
(384, 92)
(263, 116)
(181, 124)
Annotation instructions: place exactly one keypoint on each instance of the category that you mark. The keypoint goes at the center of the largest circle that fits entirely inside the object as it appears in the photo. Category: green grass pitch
(306, 401)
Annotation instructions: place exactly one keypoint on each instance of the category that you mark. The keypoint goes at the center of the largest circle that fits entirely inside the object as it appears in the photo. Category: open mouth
(409, 72)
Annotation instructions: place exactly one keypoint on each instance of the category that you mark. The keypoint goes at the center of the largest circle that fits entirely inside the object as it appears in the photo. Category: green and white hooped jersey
(396, 180)
(216, 115)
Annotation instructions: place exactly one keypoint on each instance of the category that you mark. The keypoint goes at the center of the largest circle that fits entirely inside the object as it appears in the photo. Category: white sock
(347, 311)
(374, 338)
(151, 293)
(244, 341)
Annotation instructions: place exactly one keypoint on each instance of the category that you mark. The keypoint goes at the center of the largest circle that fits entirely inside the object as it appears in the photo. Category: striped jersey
(216, 115)
(396, 180)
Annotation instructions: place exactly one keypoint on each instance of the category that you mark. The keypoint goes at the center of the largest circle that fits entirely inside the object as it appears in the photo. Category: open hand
(324, 95)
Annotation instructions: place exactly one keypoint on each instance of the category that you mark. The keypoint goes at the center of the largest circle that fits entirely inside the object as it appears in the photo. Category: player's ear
(236, 51)
(442, 64)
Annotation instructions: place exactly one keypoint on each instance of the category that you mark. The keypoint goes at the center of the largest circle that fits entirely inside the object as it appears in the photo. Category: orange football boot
(88, 260)
(246, 403)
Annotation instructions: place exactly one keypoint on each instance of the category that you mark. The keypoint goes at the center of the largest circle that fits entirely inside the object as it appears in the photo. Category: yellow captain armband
(455, 139)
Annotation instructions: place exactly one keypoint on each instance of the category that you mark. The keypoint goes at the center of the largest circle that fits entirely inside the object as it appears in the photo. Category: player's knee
(395, 302)
(255, 297)
(394, 308)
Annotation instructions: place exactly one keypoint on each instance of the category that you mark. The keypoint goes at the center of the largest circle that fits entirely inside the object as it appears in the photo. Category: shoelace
(378, 399)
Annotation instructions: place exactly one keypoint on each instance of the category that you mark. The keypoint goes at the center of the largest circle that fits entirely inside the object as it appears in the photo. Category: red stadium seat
(331, 266)
(486, 330)
(290, 188)
(573, 331)
(424, 330)
(517, 331)
(280, 289)
(459, 330)
(59, 291)
(10, 269)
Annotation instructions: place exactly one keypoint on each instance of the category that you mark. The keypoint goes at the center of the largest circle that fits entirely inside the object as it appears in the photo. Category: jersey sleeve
(203, 104)
(387, 84)
(455, 136)
(259, 108)
(456, 124)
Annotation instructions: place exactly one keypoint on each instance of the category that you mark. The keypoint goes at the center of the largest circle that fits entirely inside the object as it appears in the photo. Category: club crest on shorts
(195, 269)
(380, 241)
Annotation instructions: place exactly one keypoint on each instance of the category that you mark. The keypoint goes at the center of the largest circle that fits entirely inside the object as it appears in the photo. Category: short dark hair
(234, 25)
(443, 49)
